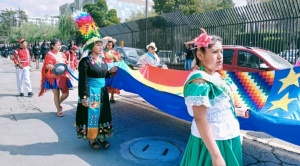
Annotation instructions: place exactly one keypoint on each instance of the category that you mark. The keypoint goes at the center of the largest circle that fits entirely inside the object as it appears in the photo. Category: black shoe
(30, 94)
(21, 94)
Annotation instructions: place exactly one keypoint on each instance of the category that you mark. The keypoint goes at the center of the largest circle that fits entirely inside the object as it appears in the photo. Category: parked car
(131, 56)
(290, 55)
(251, 59)
(164, 55)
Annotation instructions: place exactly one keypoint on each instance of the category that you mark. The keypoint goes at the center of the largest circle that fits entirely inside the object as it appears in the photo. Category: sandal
(60, 114)
(94, 145)
(112, 100)
(104, 144)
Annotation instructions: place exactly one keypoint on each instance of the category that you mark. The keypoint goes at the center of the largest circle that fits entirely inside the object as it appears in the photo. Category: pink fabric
(297, 63)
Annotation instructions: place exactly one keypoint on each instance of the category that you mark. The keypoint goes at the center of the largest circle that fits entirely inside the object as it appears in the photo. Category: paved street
(32, 134)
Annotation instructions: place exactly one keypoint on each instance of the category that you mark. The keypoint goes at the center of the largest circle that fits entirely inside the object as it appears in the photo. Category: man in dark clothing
(189, 56)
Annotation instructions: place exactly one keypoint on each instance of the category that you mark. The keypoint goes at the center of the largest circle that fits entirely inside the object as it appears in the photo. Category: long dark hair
(53, 42)
(214, 39)
(113, 45)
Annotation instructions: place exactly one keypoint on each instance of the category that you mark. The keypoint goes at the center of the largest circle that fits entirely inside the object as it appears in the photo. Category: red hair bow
(203, 40)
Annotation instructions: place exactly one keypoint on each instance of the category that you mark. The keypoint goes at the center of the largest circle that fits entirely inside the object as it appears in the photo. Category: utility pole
(146, 21)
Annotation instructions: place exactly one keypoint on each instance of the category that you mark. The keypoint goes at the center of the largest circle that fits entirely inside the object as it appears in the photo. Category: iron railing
(272, 25)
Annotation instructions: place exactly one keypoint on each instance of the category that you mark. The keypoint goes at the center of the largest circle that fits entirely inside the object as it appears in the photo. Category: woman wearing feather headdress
(93, 115)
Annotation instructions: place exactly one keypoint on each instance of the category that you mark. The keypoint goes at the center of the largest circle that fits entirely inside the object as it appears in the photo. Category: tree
(100, 13)
(112, 16)
(140, 15)
(10, 19)
(66, 27)
(191, 6)
(32, 32)
(226, 4)
(168, 6)
(21, 17)
(213, 5)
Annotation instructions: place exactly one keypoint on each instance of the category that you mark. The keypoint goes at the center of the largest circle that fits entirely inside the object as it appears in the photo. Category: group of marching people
(215, 137)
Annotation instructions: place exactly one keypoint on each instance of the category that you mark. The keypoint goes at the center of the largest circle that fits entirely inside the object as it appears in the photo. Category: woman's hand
(51, 67)
(85, 102)
(242, 112)
(113, 70)
(218, 161)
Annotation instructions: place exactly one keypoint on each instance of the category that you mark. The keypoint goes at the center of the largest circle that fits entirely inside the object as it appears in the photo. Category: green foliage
(32, 32)
(140, 15)
(112, 16)
(10, 19)
(168, 6)
(191, 6)
(213, 5)
(66, 27)
(100, 13)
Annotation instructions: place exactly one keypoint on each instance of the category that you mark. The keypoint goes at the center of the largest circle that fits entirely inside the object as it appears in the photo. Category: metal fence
(272, 25)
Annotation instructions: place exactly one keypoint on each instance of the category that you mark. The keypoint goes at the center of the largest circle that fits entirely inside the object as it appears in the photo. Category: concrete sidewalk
(32, 134)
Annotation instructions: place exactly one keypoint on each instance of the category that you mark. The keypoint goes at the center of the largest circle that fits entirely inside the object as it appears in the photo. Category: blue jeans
(188, 64)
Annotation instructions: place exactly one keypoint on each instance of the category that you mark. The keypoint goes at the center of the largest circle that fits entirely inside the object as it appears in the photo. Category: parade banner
(272, 96)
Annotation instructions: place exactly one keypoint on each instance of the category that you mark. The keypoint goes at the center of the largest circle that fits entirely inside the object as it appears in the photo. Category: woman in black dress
(36, 50)
(93, 116)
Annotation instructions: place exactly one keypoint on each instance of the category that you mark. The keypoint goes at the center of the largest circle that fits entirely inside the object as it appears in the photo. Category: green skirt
(196, 153)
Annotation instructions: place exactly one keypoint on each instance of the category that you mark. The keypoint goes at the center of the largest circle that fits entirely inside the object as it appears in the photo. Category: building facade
(124, 8)
(49, 20)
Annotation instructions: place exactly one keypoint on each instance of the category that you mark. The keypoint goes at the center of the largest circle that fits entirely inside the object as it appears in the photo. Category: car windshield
(135, 53)
(274, 59)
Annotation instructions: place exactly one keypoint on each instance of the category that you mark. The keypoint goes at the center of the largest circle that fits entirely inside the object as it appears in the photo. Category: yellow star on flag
(282, 103)
(290, 79)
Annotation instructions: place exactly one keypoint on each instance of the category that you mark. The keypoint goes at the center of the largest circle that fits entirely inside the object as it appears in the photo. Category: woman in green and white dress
(215, 131)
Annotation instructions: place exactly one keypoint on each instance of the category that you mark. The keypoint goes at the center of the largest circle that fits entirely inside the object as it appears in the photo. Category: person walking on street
(111, 56)
(72, 58)
(21, 59)
(215, 131)
(44, 49)
(54, 78)
(36, 49)
(189, 56)
(93, 114)
(71, 44)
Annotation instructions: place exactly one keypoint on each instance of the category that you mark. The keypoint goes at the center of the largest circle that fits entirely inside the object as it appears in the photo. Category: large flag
(273, 96)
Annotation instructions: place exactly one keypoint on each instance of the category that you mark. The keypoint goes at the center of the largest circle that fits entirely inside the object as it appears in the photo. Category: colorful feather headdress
(86, 25)
(88, 29)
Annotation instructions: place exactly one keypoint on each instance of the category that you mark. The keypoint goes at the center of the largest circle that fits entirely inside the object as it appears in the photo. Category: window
(247, 59)
(228, 56)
